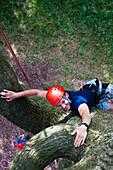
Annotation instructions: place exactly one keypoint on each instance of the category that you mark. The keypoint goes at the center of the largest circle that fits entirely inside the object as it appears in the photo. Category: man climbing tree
(93, 94)
(56, 141)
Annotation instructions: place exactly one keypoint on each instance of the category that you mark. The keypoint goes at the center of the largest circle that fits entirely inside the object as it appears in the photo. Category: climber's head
(57, 97)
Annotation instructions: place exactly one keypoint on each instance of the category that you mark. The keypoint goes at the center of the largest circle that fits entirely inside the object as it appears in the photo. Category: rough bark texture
(53, 142)
(56, 142)
(99, 144)
(22, 112)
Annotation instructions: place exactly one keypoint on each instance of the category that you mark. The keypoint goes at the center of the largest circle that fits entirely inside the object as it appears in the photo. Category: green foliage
(51, 23)
(52, 18)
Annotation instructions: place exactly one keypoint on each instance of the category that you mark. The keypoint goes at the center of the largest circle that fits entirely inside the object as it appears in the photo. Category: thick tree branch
(53, 142)
(56, 142)
(22, 112)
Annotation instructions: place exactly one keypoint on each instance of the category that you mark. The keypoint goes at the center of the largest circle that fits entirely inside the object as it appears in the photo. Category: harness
(100, 94)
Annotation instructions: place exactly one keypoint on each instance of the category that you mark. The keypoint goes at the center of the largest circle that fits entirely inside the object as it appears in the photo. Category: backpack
(97, 87)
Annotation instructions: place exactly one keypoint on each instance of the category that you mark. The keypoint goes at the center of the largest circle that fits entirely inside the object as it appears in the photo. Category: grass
(75, 35)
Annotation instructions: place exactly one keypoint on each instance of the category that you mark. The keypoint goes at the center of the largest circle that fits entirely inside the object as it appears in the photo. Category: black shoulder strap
(104, 86)
(97, 85)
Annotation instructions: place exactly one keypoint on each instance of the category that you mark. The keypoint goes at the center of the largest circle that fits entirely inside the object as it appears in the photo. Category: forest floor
(54, 47)
(49, 62)
(42, 71)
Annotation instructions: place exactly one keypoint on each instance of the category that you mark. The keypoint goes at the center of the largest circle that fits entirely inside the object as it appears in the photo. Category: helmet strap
(67, 99)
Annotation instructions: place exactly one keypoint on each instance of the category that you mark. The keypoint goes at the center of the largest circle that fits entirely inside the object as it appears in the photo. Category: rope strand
(13, 54)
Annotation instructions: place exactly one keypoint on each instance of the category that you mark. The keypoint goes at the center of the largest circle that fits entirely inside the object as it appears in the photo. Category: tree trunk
(56, 142)
(22, 112)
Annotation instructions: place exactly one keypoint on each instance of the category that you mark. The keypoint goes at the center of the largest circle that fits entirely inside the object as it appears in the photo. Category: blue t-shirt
(82, 96)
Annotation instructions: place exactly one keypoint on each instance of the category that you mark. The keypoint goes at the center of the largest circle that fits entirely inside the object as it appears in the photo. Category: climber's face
(64, 104)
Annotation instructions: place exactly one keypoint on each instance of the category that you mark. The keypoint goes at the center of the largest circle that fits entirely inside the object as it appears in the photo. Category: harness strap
(95, 89)
(106, 99)
(67, 99)
(97, 85)
(104, 86)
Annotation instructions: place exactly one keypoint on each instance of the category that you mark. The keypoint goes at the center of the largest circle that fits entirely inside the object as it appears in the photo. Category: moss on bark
(56, 142)
(22, 112)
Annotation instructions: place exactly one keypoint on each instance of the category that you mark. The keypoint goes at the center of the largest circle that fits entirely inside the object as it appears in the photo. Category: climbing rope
(80, 81)
(107, 99)
(13, 54)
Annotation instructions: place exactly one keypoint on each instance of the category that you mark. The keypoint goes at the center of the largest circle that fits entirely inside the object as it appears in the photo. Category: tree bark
(51, 143)
(22, 112)
(56, 142)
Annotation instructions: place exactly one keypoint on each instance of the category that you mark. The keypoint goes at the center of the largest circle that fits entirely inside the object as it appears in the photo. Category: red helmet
(54, 94)
(20, 146)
